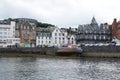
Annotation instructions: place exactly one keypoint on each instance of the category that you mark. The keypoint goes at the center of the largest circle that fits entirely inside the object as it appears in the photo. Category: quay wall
(88, 51)
(41, 50)
(101, 51)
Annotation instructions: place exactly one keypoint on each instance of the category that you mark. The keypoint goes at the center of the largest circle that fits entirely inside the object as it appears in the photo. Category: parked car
(113, 43)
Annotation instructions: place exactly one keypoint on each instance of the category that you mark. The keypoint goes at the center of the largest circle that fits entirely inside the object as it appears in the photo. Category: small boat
(65, 51)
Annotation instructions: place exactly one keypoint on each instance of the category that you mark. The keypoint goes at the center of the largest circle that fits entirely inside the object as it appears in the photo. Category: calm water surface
(59, 69)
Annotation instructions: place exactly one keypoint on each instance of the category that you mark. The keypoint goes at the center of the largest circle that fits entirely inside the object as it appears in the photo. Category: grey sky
(63, 13)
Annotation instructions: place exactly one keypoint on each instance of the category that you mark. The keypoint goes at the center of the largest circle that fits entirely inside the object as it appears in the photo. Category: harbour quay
(26, 52)
(101, 51)
(88, 51)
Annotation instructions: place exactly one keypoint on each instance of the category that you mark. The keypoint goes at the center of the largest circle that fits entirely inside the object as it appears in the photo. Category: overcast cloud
(63, 13)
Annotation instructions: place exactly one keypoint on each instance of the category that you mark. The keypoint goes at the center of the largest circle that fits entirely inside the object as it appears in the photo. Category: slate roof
(45, 30)
(93, 27)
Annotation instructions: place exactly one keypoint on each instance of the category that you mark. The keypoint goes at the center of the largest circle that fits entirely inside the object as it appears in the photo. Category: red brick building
(116, 29)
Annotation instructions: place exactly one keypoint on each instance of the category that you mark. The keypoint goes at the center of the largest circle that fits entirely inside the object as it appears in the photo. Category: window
(27, 27)
(104, 37)
(24, 27)
(59, 38)
(63, 38)
(17, 27)
(59, 34)
(95, 37)
(72, 38)
(33, 28)
(55, 34)
(25, 32)
(55, 41)
(13, 32)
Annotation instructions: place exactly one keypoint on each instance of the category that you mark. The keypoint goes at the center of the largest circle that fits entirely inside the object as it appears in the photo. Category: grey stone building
(26, 30)
(93, 33)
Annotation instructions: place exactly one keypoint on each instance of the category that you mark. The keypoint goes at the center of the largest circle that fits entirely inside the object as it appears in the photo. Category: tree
(44, 25)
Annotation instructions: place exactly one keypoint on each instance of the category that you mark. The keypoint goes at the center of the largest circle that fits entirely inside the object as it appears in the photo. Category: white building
(59, 37)
(7, 33)
(54, 36)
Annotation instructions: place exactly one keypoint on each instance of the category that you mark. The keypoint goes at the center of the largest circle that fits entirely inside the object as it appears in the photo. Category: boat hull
(69, 51)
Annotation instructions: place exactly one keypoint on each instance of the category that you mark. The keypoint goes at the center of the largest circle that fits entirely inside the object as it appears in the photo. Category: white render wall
(7, 34)
(4, 42)
(7, 31)
(73, 39)
(117, 41)
(43, 41)
(57, 37)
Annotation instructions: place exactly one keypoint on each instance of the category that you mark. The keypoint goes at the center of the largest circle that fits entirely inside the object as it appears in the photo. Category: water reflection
(59, 69)
(25, 68)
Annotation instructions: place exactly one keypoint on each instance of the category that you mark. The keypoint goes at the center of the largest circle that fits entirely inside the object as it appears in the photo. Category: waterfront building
(26, 31)
(71, 35)
(54, 36)
(93, 33)
(7, 33)
(116, 31)
(43, 36)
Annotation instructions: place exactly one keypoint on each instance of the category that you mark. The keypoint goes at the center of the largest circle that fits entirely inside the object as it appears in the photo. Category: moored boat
(65, 51)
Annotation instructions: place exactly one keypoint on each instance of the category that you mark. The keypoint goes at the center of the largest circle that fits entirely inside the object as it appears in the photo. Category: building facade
(43, 37)
(26, 31)
(7, 33)
(116, 31)
(93, 33)
(53, 36)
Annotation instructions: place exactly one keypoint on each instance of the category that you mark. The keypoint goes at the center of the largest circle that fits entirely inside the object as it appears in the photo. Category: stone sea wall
(28, 50)
(101, 48)
(101, 51)
(88, 51)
